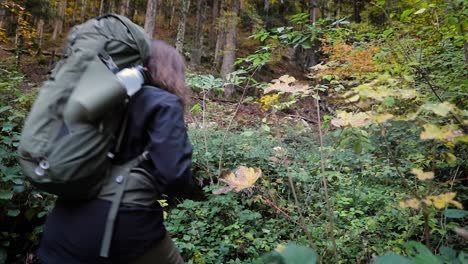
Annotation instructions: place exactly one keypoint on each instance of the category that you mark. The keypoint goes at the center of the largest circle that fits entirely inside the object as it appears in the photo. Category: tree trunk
(313, 12)
(101, 8)
(150, 18)
(221, 31)
(214, 19)
(266, 6)
(83, 10)
(197, 40)
(173, 12)
(40, 35)
(58, 27)
(74, 12)
(230, 46)
(181, 28)
(124, 4)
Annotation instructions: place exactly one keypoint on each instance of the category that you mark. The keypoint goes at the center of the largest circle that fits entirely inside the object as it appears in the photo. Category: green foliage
(23, 209)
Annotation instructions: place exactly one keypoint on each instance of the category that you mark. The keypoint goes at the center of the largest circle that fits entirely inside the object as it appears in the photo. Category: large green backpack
(74, 126)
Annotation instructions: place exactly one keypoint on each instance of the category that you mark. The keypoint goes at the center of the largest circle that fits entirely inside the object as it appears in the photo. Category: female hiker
(74, 231)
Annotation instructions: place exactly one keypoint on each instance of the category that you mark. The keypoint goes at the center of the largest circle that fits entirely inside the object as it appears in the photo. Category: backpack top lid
(128, 45)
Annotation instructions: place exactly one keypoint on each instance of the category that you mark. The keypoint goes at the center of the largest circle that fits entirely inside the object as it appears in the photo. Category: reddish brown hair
(166, 68)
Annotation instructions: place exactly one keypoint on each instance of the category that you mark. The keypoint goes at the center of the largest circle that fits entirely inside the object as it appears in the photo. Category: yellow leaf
(382, 118)
(241, 179)
(450, 158)
(345, 119)
(445, 133)
(280, 248)
(411, 203)
(287, 84)
(420, 174)
(442, 200)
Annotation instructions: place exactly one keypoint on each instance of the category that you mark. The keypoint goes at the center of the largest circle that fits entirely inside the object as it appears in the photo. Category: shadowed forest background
(330, 126)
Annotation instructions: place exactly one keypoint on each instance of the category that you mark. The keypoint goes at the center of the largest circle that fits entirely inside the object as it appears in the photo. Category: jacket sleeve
(170, 149)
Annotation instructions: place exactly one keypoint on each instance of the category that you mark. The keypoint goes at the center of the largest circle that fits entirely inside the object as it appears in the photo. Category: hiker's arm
(170, 149)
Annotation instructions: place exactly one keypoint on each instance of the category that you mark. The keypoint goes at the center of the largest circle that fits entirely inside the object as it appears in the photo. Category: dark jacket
(73, 230)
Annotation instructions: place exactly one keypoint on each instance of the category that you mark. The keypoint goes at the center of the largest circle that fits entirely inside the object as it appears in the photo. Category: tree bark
(197, 40)
(150, 18)
(40, 35)
(58, 26)
(124, 5)
(101, 8)
(230, 46)
(214, 19)
(83, 10)
(221, 31)
(173, 12)
(181, 28)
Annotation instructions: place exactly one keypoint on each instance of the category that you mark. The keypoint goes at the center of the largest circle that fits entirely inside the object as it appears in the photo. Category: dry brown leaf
(241, 179)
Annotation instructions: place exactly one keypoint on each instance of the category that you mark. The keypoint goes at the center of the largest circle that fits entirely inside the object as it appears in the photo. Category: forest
(324, 131)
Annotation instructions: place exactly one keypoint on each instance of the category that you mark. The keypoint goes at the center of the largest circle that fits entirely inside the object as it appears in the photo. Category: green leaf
(455, 213)
(420, 254)
(291, 254)
(13, 213)
(406, 14)
(6, 195)
(389, 101)
(392, 258)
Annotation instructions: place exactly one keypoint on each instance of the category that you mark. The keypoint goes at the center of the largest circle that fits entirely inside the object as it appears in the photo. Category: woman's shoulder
(157, 96)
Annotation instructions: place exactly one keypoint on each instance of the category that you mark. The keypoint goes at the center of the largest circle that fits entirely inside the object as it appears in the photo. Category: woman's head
(166, 68)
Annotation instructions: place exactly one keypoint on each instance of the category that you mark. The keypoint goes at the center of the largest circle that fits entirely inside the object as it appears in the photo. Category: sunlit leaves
(444, 133)
(287, 84)
(422, 175)
(241, 179)
(411, 203)
(442, 109)
(443, 200)
(346, 119)
(438, 201)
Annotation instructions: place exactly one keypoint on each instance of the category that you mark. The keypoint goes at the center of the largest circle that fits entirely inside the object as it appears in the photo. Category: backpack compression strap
(120, 175)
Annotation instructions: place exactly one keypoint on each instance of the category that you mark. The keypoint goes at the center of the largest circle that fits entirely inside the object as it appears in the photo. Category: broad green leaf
(295, 254)
(392, 258)
(420, 254)
(406, 14)
(455, 213)
(13, 213)
(6, 195)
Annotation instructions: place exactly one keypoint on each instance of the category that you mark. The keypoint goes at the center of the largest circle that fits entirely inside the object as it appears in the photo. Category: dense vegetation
(361, 155)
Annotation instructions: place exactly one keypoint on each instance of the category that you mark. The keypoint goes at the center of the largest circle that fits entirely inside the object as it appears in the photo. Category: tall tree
(83, 10)
(124, 6)
(230, 45)
(101, 8)
(58, 25)
(150, 18)
(221, 32)
(181, 28)
(173, 12)
(198, 31)
(214, 19)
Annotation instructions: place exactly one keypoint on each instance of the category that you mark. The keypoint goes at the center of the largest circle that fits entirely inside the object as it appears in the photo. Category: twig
(230, 123)
(303, 225)
(324, 180)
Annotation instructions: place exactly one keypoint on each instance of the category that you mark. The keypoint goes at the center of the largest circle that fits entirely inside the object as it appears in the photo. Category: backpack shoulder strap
(119, 175)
